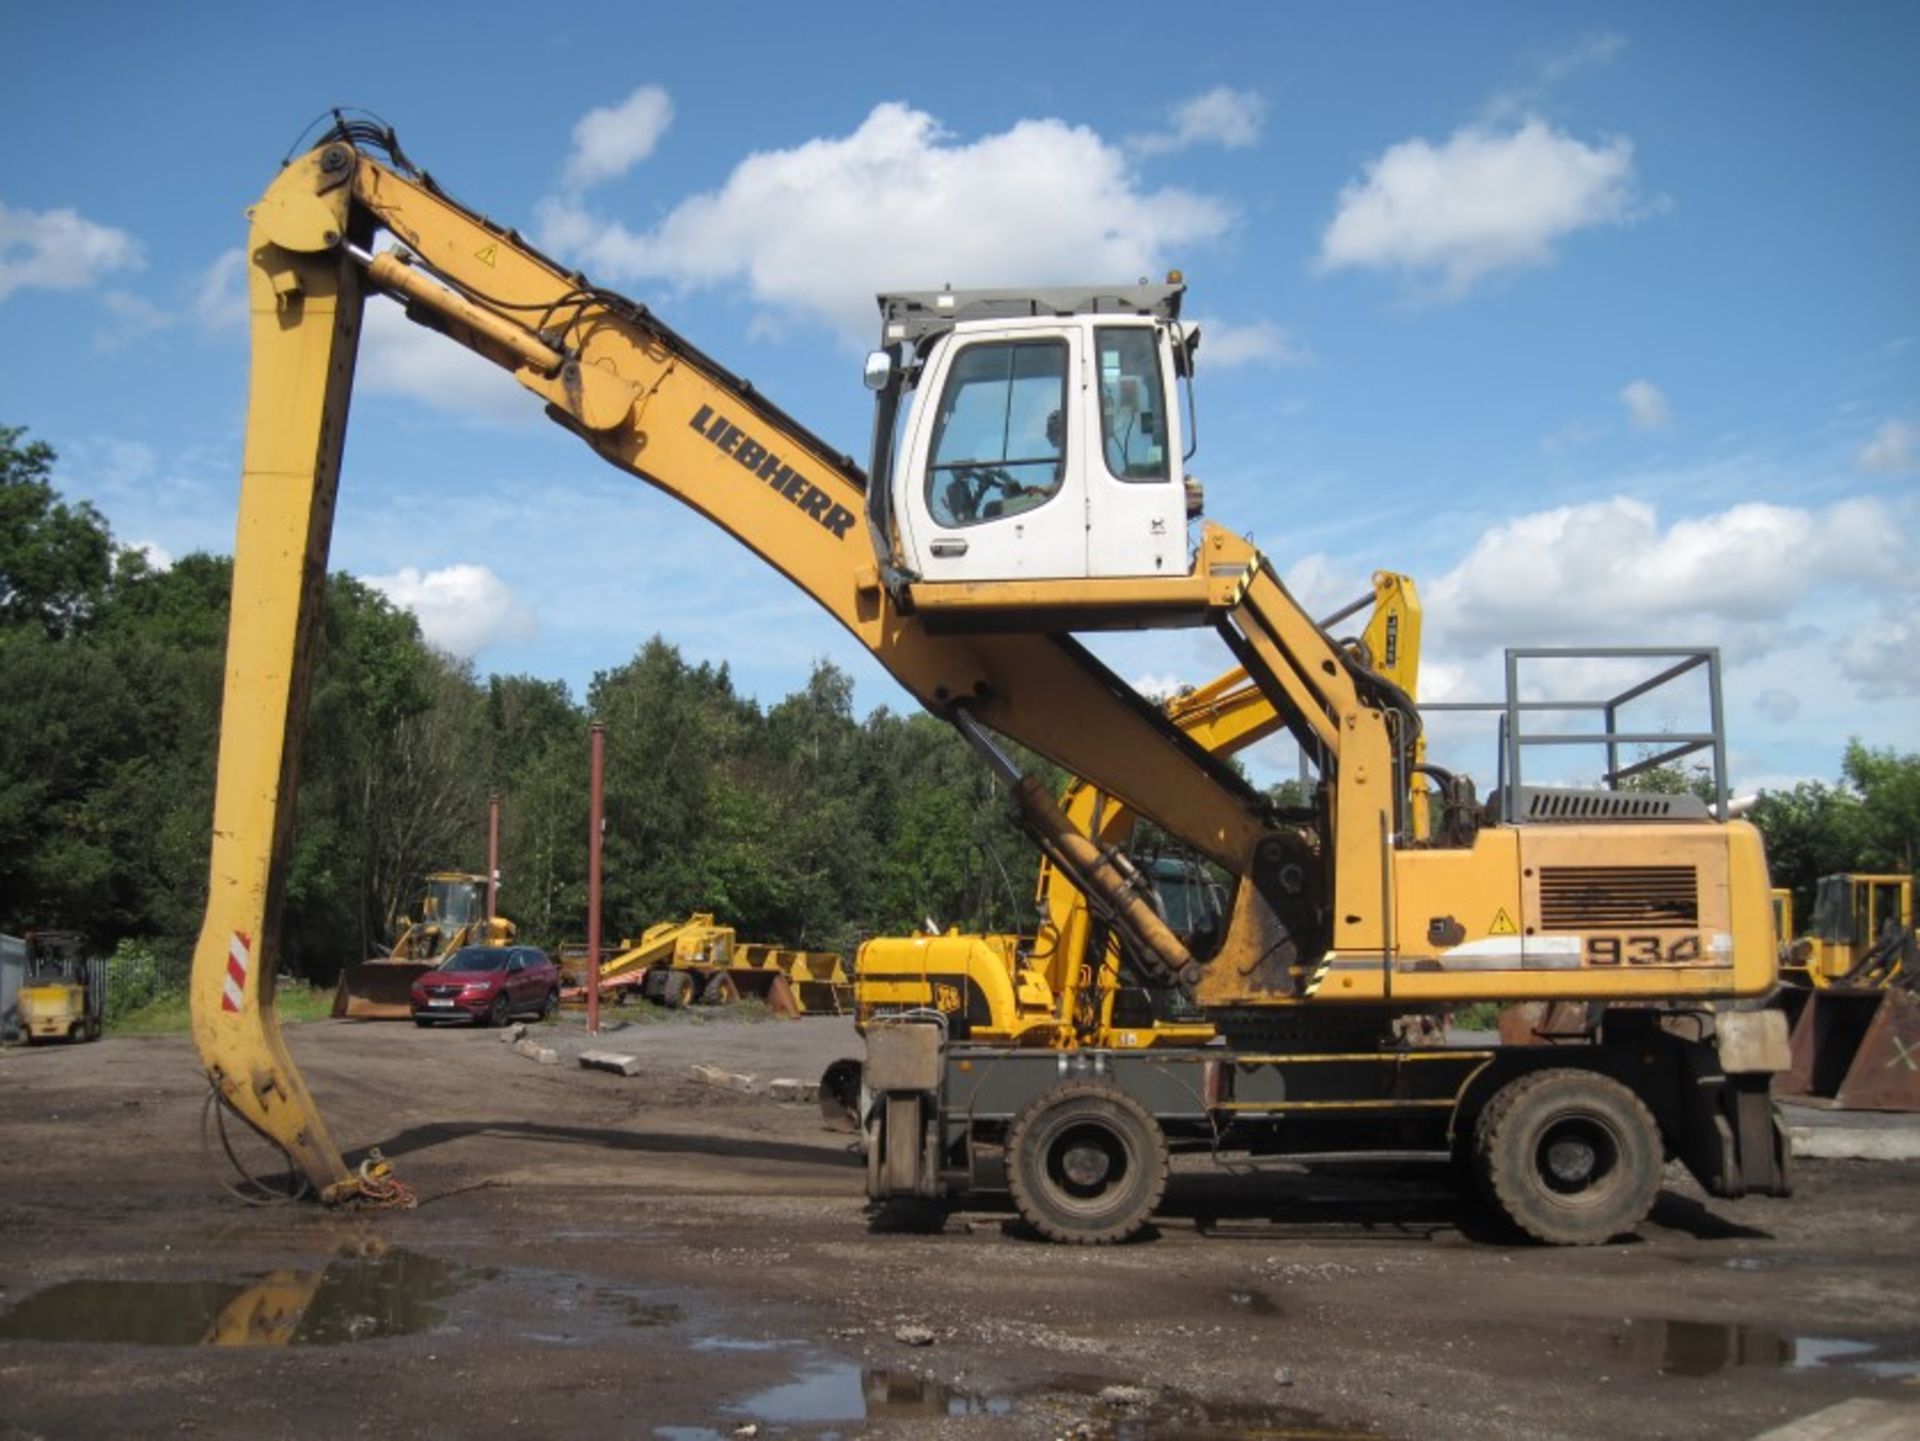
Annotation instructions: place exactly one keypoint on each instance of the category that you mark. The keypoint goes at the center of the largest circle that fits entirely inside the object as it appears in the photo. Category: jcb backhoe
(1028, 482)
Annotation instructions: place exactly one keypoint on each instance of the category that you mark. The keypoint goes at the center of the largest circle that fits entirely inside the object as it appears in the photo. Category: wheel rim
(1578, 1159)
(1087, 1165)
(501, 1010)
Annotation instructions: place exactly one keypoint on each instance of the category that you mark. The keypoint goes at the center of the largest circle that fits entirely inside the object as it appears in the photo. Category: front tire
(502, 1011)
(550, 1005)
(1571, 1157)
(1086, 1164)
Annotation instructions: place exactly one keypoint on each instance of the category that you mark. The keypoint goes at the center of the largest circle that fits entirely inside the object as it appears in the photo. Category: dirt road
(657, 1257)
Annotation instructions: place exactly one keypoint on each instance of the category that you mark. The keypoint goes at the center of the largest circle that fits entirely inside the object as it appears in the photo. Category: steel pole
(493, 856)
(593, 882)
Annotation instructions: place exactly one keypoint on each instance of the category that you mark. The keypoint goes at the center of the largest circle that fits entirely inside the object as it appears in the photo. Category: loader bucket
(768, 986)
(1856, 1050)
(378, 990)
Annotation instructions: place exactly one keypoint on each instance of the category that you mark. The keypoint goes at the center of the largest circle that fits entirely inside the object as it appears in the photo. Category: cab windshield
(476, 958)
(453, 903)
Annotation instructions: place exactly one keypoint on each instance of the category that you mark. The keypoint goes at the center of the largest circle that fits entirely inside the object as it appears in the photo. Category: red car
(487, 985)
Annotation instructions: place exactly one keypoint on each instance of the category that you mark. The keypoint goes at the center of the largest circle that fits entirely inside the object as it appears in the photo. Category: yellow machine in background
(453, 913)
(1850, 993)
(679, 963)
(1069, 985)
(64, 996)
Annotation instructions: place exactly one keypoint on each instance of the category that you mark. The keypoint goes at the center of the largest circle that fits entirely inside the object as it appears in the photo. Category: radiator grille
(1608, 898)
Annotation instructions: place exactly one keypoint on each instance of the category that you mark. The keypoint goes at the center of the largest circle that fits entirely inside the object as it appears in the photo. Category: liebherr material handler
(1027, 483)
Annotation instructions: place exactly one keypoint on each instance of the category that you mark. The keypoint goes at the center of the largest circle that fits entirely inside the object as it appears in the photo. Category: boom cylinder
(1099, 871)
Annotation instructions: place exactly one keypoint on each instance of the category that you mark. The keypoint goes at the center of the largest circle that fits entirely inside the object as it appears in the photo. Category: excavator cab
(1043, 440)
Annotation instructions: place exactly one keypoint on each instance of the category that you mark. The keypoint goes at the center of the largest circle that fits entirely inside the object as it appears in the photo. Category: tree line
(795, 822)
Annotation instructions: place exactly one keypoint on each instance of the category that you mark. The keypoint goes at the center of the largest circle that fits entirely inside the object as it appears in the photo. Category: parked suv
(487, 985)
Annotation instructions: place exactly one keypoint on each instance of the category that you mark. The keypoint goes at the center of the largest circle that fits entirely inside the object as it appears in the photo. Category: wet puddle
(1704, 1348)
(349, 1299)
(1254, 1303)
(837, 1391)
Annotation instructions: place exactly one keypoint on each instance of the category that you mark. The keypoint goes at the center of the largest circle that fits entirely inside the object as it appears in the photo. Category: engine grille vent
(1557, 803)
(1611, 898)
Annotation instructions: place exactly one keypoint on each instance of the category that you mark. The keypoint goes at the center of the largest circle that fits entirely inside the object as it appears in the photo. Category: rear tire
(719, 990)
(676, 991)
(1571, 1157)
(1086, 1164)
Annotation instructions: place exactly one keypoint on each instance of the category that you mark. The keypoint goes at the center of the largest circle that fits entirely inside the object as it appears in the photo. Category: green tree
(55, 559)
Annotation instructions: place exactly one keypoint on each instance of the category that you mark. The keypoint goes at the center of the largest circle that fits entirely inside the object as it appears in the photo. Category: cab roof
(914, 315)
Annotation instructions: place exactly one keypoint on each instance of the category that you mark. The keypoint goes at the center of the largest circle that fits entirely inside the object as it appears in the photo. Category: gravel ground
(658, 1257)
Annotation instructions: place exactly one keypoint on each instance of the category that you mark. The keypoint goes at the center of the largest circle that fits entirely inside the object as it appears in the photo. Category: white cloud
(1222, 116)
(1609, 571)
(60, 250)
(1158, 687)
(1882, 656)
(819, 228)
(1482, 201)
(462, 609)
(1647, 407)
(158, 557)
(1224, 345)
(1893, 450)
(220, 293)
(612, 139)
(1589, 52)
(134, 319)
(398, 357)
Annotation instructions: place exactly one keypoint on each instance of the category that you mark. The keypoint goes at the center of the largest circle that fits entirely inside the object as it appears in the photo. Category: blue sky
(1605, 326)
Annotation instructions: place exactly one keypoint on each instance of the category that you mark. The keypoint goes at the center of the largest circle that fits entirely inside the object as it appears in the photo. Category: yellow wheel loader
(1851, 997)
(452, 913)
(1028, 484)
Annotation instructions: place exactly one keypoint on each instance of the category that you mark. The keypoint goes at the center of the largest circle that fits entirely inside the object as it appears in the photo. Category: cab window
(998, 437)
(1133, 412)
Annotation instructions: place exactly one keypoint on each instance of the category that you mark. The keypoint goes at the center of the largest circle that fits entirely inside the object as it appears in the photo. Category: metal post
(493, 856)
(593, 882)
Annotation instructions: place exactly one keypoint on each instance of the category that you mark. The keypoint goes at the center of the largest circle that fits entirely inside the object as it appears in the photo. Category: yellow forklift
(64, 997)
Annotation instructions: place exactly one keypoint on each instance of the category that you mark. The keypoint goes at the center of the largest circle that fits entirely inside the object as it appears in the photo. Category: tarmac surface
(659, 1256)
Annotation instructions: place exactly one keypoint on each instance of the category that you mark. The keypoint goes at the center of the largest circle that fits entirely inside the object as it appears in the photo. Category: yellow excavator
(452, 913)
(1028, 483)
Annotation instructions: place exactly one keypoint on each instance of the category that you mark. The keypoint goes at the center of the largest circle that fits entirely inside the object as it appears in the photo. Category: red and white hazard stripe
(239, 962)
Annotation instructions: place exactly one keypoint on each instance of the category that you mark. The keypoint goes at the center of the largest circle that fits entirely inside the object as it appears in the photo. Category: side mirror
(878, 371)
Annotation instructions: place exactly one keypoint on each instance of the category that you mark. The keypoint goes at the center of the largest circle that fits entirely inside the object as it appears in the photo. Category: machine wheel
(550, 1005)
(1571, 1157)
(719, 990)
(676, 991)
(502, 1011)
(1086, 1163)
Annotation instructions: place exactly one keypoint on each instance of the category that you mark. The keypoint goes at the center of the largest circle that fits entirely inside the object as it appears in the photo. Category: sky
(1602, 323)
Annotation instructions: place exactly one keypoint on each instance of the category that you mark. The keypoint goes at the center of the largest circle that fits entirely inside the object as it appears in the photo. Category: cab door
(1137, 507)
(991, 489)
